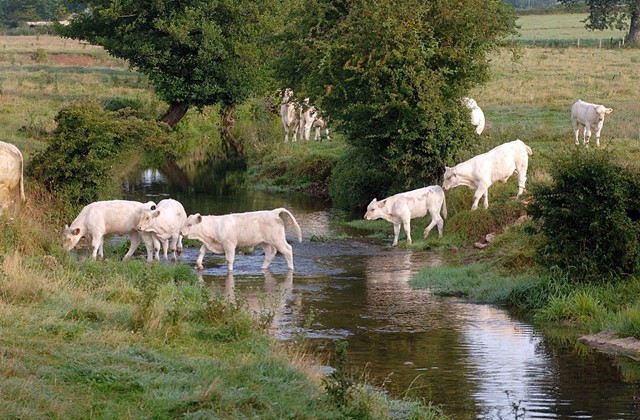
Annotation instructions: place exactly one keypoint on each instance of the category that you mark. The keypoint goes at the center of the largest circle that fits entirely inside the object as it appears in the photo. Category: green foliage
(588, 215)
(391, 77)
(88, 150)
(358, 177)
(196, 53)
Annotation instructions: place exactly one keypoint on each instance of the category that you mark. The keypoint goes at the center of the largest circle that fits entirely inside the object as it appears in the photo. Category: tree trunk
(634, 26)
(226, 124)
(175, 114)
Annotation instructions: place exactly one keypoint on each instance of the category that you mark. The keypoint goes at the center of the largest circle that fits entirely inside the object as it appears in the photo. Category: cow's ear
(75, 231)
(609, 110)
(383, 203)
(156, 213)
(198, 219)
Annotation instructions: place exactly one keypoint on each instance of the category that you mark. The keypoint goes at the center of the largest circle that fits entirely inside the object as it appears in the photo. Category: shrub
(90, 147)
(587, 215)
(357, 178)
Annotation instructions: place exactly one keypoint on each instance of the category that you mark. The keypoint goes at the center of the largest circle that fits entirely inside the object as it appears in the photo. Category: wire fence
(607, 43)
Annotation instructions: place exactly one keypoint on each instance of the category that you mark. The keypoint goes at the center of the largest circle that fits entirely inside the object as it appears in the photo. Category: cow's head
(191, 225)
(287, 96)
(450, 178)
(147, 219)
(70, 237)
(375, 209)
(602, 111)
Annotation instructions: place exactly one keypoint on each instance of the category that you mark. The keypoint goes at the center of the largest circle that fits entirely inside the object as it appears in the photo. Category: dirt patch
(82, 60)
(608, 342)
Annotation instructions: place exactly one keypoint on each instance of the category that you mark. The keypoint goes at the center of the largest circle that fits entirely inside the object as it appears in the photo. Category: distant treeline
(14, 13)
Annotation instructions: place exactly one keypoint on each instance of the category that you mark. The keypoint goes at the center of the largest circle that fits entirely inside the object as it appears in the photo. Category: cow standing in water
(399, 209)
(222, 234)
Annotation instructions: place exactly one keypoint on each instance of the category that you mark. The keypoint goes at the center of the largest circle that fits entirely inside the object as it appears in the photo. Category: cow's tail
(529, 151)
(444, 204)
(293, 219)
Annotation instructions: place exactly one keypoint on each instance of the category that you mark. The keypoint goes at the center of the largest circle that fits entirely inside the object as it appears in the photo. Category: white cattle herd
(163, 225)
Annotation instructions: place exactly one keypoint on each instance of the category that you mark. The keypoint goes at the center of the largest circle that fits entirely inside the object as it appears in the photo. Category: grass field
(73, 341)
(561, 27)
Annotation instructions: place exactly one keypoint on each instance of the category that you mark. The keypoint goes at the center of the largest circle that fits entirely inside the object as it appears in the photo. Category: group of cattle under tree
(163, 225)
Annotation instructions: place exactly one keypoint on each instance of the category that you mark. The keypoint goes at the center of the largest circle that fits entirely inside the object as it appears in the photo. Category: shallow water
(476, 361)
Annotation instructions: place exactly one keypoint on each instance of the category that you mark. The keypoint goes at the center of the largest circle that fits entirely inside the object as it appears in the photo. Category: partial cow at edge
(481, 171)
(11, 174)
(222, 234)
(401, 208)
(590, 116)
(477, 116)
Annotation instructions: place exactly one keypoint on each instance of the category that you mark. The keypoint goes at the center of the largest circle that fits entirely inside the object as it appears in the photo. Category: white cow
(588, 115)
(477, 116)
(403, 207)
(11, 173)
(498, 164)
(289, 114)
(103, 217)
(310, 118)
(222, 234)
(165, 222)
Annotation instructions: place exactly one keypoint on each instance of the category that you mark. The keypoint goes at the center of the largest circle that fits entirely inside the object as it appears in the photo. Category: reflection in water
(474, 360)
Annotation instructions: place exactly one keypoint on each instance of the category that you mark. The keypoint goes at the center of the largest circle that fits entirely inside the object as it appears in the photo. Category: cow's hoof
(179, 251)
(200, 267)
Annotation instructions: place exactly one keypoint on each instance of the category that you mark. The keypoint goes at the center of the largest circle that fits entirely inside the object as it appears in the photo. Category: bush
(587, 215)
(357, 178)
(90, 147)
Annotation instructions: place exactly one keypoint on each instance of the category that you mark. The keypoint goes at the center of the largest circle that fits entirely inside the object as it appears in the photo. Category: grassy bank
(105, 339)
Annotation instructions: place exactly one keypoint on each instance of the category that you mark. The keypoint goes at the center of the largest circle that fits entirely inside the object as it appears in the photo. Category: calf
(11, 173)
(588, 115)
(498, 164)
(222, 234)
(403, 207)
(310, 118)
(477, 116)
(165, 222)
(103, 217)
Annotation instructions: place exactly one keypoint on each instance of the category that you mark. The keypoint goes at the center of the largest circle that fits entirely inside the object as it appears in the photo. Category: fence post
(578, 42)
(600, 44)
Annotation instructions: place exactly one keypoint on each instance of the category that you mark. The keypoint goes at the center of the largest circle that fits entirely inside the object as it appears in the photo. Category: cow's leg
(406, 222)
(269, 253)
(435, 220)
(477, 195)
(134, 236)
(286, 250)
(179, 245)
(522, 178)
(587, 135)
(317, 135)
(96, 246)
(396, 233)
(440, 225)
(229, 254)
(598, 129)
(173, 244)
(576, 130)
(201, 254)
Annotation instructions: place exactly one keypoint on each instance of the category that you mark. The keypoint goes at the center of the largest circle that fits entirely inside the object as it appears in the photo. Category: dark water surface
(476, 361)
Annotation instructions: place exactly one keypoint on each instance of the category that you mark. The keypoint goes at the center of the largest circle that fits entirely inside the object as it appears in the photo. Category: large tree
(195, 52)
(613, 14)
(392, 75)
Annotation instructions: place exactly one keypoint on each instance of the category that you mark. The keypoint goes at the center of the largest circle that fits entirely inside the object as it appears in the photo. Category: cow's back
(503, 160)
(113, 216)
(582, 111)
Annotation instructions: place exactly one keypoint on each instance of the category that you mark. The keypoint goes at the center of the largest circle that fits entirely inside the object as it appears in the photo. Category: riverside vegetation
(106, 339)
(148, 341)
